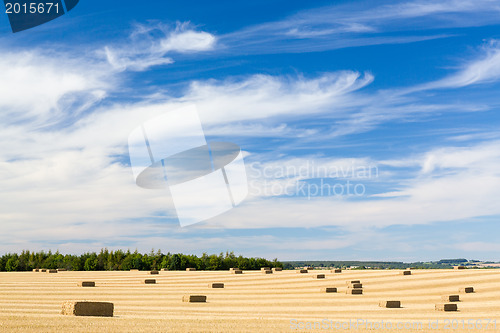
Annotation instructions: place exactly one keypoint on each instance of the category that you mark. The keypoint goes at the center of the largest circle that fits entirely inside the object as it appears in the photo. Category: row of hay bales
(47, 270)
(355, 287)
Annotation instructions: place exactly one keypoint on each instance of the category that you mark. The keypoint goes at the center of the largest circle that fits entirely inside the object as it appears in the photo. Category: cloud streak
(360, 24)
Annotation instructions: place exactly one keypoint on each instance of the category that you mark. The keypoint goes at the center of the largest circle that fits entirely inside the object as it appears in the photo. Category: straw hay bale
(52, 271)
(446, 307)
(406, 273)
(86, 308)
(338, 270)
(190, 269)
(237, 271)
(466, 290)
(354, 291)
(353, 281)
(277, 269)
(194, 298)
(302, 271)
(450, 298)
(154, 272)
(319, 276)
(329, 290)
(86, 284)
(267, 272)
(390, 304)
(150, 281)
(355, 286)
(216, 285)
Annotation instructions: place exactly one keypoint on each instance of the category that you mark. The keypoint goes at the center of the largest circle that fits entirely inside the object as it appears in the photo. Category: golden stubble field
(252, 302)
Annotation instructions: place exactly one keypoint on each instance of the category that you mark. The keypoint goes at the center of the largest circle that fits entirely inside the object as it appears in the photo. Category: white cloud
(484, 69)
(188, 41)
(145, 49)
(358, 24)
(265, 97)
(36, 86)
(468, 189)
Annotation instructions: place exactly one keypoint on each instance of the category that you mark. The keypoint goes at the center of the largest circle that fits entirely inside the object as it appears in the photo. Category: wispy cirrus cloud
(360, 24)
(485, 68)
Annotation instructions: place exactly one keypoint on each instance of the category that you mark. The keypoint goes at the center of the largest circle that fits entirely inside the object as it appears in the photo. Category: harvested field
(31, 302)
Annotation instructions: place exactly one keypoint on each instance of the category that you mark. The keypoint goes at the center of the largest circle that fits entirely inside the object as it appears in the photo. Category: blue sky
(407, 89)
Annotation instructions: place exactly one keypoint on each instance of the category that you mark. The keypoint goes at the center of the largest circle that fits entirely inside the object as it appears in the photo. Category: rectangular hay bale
(43, 270)
(150, 281)
(353, 281)
(86, 284)
(52, 271)
(87, 308)
(154, 272)
(446, 307)
(216, 285)
(194, 298)
(319, 276)
(237, 271)
(466, 290)
(336, 271)
(61, 269)
(190, 269)
(354, 291)
(450, 298)
(355, 286)
(267, 272)
(406, 273)
(329, 290)
(36, 270)
(277, 269)
(390, 304)
(265, 269)
(302, 271)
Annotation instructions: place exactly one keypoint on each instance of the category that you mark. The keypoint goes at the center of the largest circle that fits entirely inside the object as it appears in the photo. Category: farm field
(251, 302)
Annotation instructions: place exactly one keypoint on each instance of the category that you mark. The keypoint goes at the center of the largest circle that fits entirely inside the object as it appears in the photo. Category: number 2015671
(31, 8)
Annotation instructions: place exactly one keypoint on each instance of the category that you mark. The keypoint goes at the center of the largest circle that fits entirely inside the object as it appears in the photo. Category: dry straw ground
(250, 302)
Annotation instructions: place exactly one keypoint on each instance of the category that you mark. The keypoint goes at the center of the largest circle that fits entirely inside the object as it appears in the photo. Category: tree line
(107, 260)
